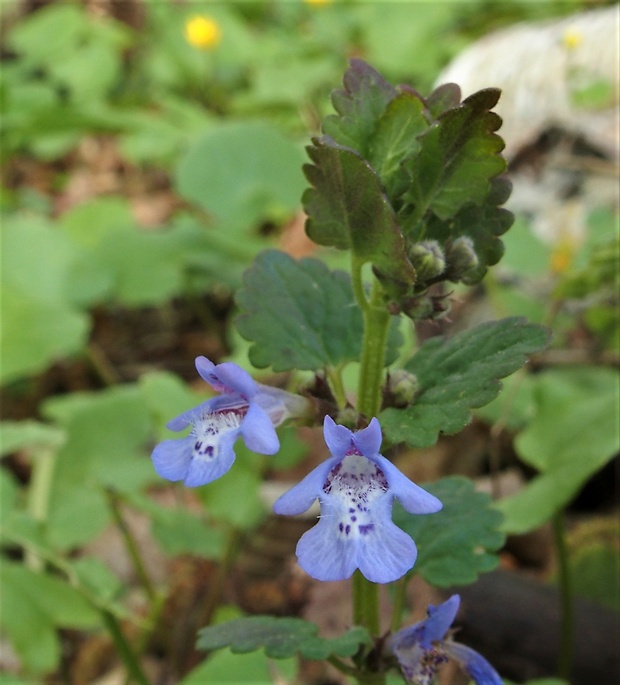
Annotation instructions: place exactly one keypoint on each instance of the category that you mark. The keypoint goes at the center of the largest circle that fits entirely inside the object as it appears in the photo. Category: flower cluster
(355, 486)
(421, 648)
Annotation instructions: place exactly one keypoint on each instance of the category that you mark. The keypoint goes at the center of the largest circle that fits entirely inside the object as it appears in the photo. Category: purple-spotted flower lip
(244, 408)
(423, 646)
(356, 487)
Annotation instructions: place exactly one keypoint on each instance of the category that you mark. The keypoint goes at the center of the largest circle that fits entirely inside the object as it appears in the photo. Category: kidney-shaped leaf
(243, 172)
(298, 314)
(574, 433)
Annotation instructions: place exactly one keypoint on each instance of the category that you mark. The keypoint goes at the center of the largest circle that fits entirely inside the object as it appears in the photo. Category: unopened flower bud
(428, 259)
(426, 307)
(461, 257)
(402, 386)
(417, 308)
(349, 417)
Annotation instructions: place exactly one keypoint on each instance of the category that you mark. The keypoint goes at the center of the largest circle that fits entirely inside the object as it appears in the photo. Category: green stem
(181, 642)
(134, 670)
(358, 284)
(152, 622)
(335, 380)
(101, 365)
(366, 603)
(376, 323)
(366, 613)
(43, 466)
(564, 581)
(359, 614)
(398, 603)
(131, 545)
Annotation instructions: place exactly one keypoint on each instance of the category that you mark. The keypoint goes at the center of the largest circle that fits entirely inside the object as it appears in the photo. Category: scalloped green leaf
(444, 97)
(254, 668)
(300, 315)
(179, 531)
(281, 638)
(242, 172)
(457, 158)
(37, 333)
(459, 542)
(458, 374)
(41, 325)
(359, 104)
(347, 208)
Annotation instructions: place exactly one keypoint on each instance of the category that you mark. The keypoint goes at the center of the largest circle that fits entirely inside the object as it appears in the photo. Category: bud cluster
(454, 261)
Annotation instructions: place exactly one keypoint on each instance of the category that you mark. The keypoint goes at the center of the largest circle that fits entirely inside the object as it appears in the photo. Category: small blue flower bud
(461, 257)
(428, 260)
(420, 307)
(426, 307)
(348, 417)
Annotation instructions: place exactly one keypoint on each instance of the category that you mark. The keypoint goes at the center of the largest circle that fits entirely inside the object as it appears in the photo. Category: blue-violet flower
(244, 408)
(356, 488)
(424, 646)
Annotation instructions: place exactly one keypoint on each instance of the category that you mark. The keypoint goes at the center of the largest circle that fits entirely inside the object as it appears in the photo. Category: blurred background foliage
(147, 159)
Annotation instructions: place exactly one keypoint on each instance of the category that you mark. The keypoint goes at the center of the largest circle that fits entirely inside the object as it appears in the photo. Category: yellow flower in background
(562, 256)
(317, 2)
(202, 32)
(572, 38)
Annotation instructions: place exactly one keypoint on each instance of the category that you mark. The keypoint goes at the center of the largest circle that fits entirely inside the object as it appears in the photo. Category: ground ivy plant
(412, 188)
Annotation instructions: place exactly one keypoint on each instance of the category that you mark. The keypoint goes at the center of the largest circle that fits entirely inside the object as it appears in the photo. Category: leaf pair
(301, 315)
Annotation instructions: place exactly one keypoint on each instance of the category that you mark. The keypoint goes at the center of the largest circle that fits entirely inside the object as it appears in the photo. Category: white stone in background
(532, 63)
(536, 65)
